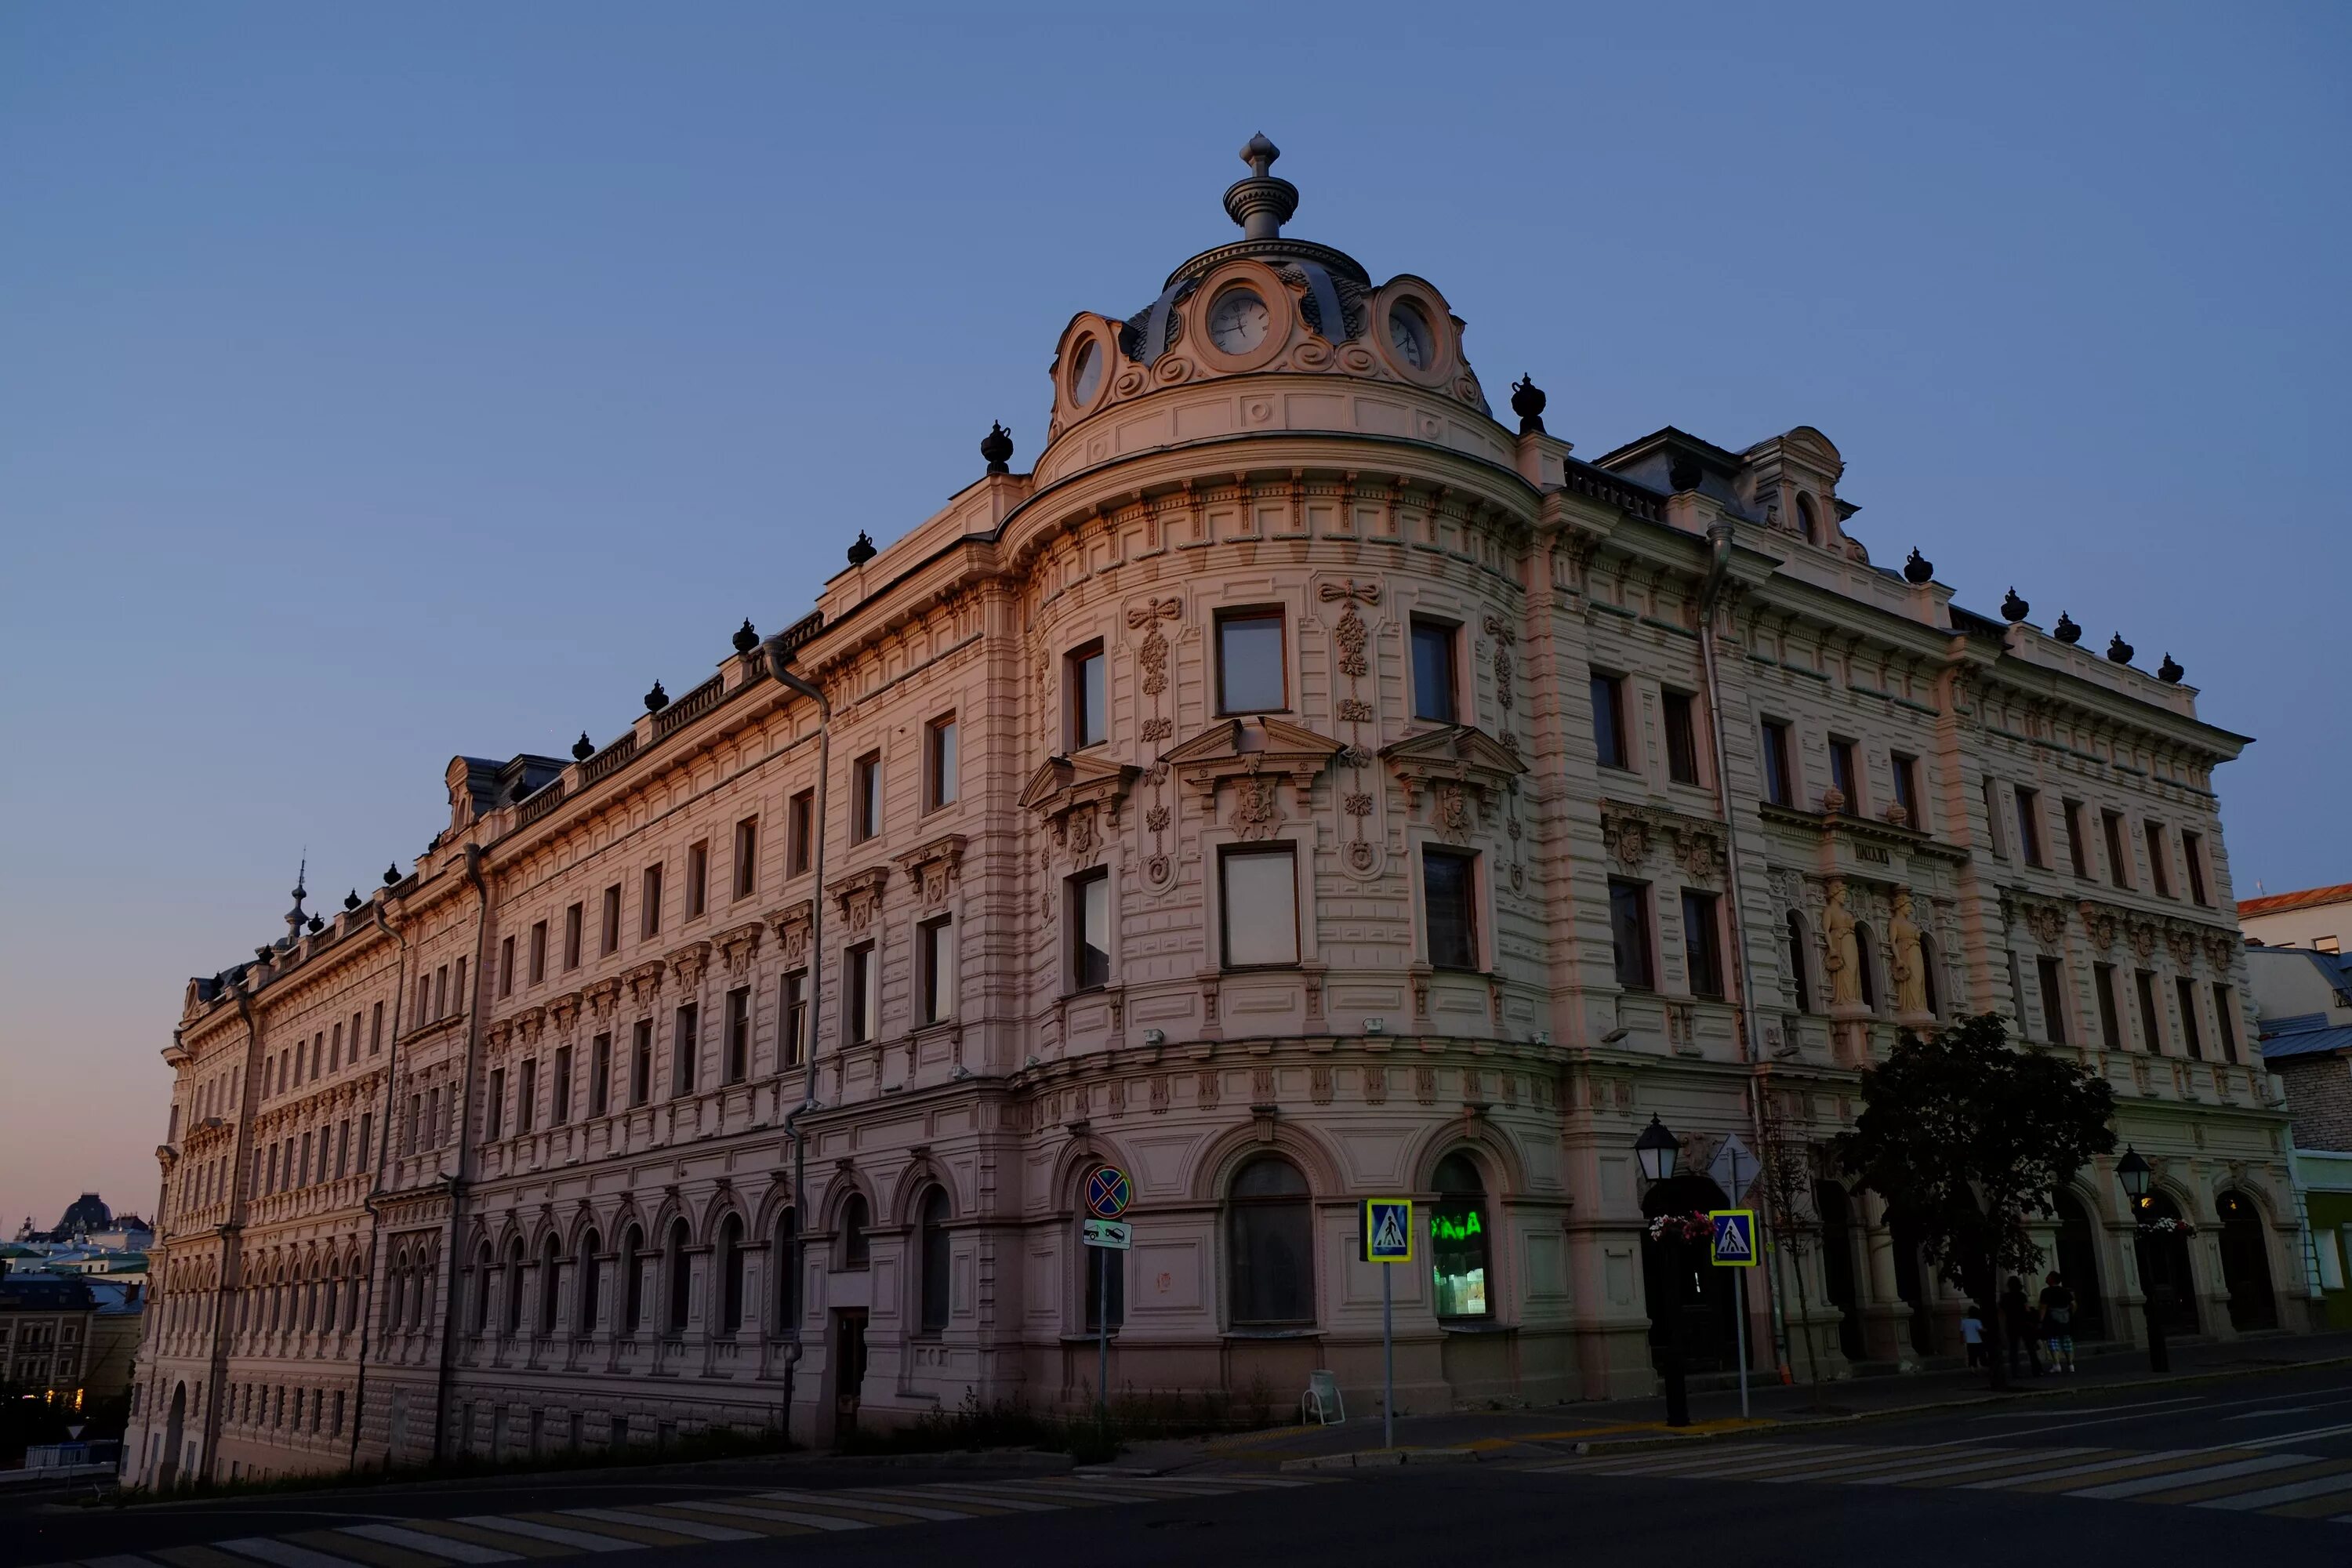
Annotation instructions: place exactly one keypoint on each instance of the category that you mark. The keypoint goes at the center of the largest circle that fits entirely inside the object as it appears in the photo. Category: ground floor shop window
(1459, 1254)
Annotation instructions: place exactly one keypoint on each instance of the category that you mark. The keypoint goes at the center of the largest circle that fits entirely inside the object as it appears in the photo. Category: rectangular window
(1628, 934)
(857, 991)
(2078, 853)
(2192, 857)
(560, 1112)
(302, 1175)
(1779, 784)
(497, 1106)
(697, 879)
(342, 1149)
(2151, 1028)
(1434, 680)
(942, 778)
(1251, 673)
(575, 920)
(507, 962)
(2159, 863)
(1449, 908)
(799, 818)
(2185, 991)
(526, 1096)
(1905, 773)
(747, 857)
(1682, 737)
(612, 932)
(649, 904)
(794, 1045)
(1993, 839)
(600, 1075)
(2110, 1026)
(1609, 722)
(738, 1034)
(1842, 774)
(441, 992)
(1089, 916)
(375, 1029)
(1702, 944)
(2119, 863)
(1259, 888)
(641, 1063)
(367, 1130)
(2225, 1010)
(866, 797)
(1085, 698)
(2029, 825)
(936, 953)
(685, 1046)
(2053, 999)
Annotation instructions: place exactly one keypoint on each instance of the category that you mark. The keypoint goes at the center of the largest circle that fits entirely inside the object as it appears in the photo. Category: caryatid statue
(1909, 963)
(1844, 958)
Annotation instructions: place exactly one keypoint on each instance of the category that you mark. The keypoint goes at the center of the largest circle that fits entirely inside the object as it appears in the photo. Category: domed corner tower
(1323, 347)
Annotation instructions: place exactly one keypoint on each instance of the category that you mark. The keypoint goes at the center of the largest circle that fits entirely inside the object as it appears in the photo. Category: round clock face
(1086, 379)
(1238, 322)
(1408, 334)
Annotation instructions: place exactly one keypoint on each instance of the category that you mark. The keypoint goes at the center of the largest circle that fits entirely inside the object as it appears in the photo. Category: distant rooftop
(2309, 898)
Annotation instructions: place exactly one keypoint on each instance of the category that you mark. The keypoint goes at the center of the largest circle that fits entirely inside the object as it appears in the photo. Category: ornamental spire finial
(1263, 203)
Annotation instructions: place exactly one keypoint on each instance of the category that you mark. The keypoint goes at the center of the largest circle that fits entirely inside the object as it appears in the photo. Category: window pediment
(935, 867)
(1251, 748)
(1063, 784)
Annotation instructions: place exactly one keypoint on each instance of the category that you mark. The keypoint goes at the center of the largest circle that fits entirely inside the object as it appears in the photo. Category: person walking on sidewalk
(1972, 1334)
(2058, 1323)
(2017, 1319)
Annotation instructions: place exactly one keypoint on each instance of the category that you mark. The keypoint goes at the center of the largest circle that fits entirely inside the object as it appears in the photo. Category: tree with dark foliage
(1964, 1135)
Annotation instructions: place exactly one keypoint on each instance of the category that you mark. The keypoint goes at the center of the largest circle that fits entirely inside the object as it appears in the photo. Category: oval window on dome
(1408, 334)
(1086, 377)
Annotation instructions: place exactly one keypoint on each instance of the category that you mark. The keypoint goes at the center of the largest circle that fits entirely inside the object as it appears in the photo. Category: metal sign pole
(1388, 1361)
(1741, 1286)
(1102, 1338)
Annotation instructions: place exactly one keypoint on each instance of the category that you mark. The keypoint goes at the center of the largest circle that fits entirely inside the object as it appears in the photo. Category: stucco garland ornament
(2048, 923)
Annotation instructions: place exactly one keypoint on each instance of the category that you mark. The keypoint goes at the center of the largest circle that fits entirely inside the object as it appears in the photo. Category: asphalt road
(2149, 1477)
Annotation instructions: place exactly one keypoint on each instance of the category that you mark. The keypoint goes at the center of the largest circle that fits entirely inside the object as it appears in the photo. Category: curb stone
(1372, 1458)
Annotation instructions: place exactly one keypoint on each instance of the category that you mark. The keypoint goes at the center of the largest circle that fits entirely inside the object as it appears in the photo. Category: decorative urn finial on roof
(2169, 671)
(392, 874)
(2012, 608)
(351, 900)
(2066, 631)
(584, 748)
(1263, 203)
(1527, 402)
(656, 699)
(2119, 650)
(1919, 571)
(997, 448)
(746, 639)
(861, 550)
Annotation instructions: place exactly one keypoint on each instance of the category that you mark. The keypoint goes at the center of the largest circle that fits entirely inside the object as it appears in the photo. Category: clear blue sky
(378, 384)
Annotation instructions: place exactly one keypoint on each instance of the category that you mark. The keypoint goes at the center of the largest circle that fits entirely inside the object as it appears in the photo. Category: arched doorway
(2078, 1264)
(1689, 1298)
(174, 1430)
(1837, 1265)
(1911, 1284)
(2165, 1274)
(2246, 1264)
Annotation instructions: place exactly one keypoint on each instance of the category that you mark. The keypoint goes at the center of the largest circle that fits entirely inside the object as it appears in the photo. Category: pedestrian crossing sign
(1387, 1230)
(1735, 1237)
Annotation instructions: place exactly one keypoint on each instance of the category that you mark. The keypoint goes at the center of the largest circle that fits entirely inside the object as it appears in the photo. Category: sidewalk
(1470, 1435)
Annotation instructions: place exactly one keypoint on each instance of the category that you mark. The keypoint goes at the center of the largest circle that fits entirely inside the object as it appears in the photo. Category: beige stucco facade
(560, 1075)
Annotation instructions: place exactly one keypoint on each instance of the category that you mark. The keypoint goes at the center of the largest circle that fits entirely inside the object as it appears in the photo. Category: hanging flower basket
(2166, 1227)
(1692, 1227)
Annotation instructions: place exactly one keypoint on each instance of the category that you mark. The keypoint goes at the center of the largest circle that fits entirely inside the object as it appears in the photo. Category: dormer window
(1807, 524)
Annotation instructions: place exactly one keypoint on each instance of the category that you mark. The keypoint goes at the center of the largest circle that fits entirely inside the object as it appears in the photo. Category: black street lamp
(1659, 1152)
(2136, 1177)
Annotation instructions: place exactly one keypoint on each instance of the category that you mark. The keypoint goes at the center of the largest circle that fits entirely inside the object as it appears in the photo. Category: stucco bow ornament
(1370, 593)
(1143, 615)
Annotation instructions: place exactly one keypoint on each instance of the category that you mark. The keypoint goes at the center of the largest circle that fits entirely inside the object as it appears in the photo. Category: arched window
(309, 1293)
(592, 1275)
(730, 1274)
(356, 1292)
(327, 1319)
(398, 1281)
(1270, 1245)
(2246, 1263)
(785, 1268)
(937, 1261)
(681, 1277)
(1797, 970)
(550, 1272)
(1807, 524)
(857, 1249)
(1927, 975)
(1459, 1251)
(2078, 1266)
(482, 1290)
(632, 1280)
(1865, 972)
(422, 1272)
(514, 1285)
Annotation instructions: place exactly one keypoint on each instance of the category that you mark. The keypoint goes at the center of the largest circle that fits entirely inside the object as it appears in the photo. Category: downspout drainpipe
(457, 1182)
(1718, 567)
(373, 1201)
(778, 668)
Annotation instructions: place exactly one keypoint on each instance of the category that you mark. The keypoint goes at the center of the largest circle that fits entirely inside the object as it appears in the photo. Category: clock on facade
(1238, 320)
(1409, 336)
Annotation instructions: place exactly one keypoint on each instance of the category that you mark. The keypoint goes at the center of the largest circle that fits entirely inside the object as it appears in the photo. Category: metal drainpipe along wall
(777, 667)
(458, 1181)
(372, 1201)
(1720, 547)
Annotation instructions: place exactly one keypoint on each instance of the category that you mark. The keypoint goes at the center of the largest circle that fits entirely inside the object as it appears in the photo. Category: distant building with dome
(1302, 785)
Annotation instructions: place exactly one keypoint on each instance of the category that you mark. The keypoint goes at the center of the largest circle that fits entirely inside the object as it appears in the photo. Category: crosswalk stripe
(1685, 1464)
(1070, 1494)
(2183, 1477)
(639, 1532)
(120, 1559)
(205, 1557)
(1937, 1470)
(750, 1518)
(580, 1539)
(789, 1515)
(415, 1536)
(666, 1523)
(2296, 1492)
(864, 1505)
(374, 1553)
(2017, 1464)
(2122, 1465)
(972, 1505)
(1850, 1469)
(282, 1553)
(977, 1498)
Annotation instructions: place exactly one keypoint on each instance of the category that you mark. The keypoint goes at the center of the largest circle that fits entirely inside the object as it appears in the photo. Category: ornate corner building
(1301, 786)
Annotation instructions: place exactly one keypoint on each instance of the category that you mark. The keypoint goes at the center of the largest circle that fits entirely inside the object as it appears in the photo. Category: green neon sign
(1444, 1227)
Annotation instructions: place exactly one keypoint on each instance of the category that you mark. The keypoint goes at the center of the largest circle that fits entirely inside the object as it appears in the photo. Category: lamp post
(2133, 1171)
(1659, 1152)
